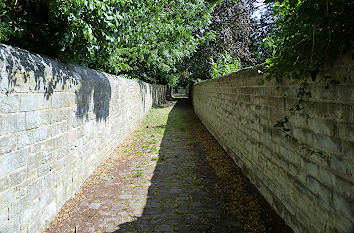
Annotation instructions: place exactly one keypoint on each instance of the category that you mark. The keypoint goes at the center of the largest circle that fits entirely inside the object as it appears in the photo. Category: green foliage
(31, 25)
(307, 33)
(232, 29)
(263, 23)
(178, 41)
(145, 39)
(225, 64)
(5, 21)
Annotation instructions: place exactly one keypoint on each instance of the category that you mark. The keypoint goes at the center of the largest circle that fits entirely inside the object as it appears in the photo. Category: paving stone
(164, 228)
(125, 196)
(84, 203)
(108, 202)
(94, 206)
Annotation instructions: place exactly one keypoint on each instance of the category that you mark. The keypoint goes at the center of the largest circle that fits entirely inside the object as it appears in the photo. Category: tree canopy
(306, 33)
(145, 39)
(177, 41)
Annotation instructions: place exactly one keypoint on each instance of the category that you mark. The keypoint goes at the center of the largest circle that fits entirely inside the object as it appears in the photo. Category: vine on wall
(307, 34)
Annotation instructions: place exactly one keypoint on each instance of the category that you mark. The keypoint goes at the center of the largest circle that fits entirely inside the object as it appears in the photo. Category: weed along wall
(311, 192)
(57, 123)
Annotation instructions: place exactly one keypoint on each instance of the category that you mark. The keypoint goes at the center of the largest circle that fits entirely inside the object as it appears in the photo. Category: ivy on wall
(307, 33)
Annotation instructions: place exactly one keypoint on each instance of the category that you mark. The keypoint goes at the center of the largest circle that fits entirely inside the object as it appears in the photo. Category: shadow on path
(181, 196)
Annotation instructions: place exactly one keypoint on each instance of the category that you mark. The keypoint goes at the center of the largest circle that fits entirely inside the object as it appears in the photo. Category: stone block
(46, 198)
(328, 144)
(289, 155)
(48, 178)
(60, 164)
(68, 99)
(4, 216)
(49, 213)
(7, 197)
(338, 164)
(34, 226)
(343, 206)
(28, 213)
(338, 223)
(9, 104)
(33, 120)
(40, 146)
(299, 121)
(47, 156)
(21, 190)
(34, 160)
(3, 124)
(316, 109)
(57, 100)
(58, 142)
(338, 112)
(346, 94)
(320, 126)
(4, 80)
(22, 81)
(347, 149)
(7, 143)
(346, 131)
(309, 167)
(35, 189)
(10, 162)
(17, 177)
(326, 176)
(4, 183)
(41, 134)
(17, 207)
(16, 122)
(30, 102)
(344, 187)
(25, 138)
(303, 136)
(10, 226)
(59, 128)
(59, 115)
(47, 117)
(320, 190)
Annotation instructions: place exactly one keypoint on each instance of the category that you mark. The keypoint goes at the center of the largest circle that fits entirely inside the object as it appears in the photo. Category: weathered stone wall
(57, 123)
(312, 193)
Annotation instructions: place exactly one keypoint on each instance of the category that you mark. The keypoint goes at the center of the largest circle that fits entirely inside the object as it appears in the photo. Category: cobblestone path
(156, 181)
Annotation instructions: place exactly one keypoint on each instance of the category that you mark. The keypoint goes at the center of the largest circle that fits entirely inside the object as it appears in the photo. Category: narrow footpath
(170, 175)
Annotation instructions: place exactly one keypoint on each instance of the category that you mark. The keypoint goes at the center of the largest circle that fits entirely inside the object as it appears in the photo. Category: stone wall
(180, 91)
(58, 122)
(310, 191)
